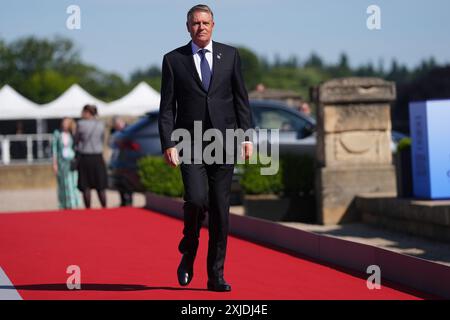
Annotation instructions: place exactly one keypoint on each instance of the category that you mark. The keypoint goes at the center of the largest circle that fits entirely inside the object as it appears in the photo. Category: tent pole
(41, 127)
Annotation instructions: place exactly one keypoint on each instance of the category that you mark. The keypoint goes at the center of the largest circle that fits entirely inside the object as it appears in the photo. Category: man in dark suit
(202, 81)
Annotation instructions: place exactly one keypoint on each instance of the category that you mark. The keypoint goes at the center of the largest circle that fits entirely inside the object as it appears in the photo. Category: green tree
(46, 85)
(151, 75)
(27, 61)
(341, 69)
(104, 86)
(314, 61)
(42, 69)
(251, 67)
(299, 79)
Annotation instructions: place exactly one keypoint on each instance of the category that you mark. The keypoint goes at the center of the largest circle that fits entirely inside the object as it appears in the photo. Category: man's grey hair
(199, 7)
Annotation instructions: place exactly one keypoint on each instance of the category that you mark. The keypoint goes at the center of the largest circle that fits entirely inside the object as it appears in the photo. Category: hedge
(157, 177)
(294, 177)
(252, 182)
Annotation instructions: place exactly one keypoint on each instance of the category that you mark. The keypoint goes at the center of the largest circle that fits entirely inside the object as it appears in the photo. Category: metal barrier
(26, 148)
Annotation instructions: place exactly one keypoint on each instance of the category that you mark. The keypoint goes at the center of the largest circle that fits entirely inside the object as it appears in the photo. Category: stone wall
(429, 219)
(353, 144)
(27, 176)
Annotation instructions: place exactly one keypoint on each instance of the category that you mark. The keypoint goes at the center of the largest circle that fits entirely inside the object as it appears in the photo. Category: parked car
(137, 140)
(296, 135)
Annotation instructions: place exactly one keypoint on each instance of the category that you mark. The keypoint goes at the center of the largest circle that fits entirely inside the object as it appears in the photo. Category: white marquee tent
(69, 104)
(138, 101)
(14, 106)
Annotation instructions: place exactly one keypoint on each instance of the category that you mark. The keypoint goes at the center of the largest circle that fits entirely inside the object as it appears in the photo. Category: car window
(272, 118)
(144, 126)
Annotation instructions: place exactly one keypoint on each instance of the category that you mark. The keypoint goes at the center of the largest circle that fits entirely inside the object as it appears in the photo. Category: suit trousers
(207, 188)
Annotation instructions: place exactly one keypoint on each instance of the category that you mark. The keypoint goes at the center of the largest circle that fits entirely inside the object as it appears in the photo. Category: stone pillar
(353, 144)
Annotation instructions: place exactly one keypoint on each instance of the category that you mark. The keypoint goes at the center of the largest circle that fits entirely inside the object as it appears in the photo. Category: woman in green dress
(63, 153)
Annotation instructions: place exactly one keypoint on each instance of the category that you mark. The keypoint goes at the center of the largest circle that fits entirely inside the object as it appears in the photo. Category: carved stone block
(340, 118)
(357, 148)
(348, 90)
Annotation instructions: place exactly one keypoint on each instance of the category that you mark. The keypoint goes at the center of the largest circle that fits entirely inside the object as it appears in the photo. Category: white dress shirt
(197, 57)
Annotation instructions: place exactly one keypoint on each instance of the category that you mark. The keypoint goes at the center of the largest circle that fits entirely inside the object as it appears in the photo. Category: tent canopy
(138, 101)
(14, 106)
(69, 104)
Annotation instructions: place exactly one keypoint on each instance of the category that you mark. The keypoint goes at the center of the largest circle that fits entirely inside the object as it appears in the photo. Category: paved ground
(394, 241)
(45, 199)
(367, 234)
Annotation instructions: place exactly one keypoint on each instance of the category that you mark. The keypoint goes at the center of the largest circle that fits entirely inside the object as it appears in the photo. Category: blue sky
(122, 36)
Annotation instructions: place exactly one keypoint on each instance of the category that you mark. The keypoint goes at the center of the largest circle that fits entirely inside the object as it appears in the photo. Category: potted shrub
(163, 185)
(286, 196)
(261, 192)
(157, 177)
(403, 168)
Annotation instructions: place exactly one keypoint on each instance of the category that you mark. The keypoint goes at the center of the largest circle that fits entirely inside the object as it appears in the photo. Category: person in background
(118, 124)
(126, 195)
(89, 140)
(305, 108)
(63, 153)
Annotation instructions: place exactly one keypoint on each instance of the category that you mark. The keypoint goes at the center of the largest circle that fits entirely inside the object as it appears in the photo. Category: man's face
(200, 26)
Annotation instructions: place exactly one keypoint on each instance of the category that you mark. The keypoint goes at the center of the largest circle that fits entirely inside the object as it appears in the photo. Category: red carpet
(132, 254)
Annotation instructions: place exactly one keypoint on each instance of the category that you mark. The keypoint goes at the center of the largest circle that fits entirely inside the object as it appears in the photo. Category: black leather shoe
(185, 270)
(218, 285)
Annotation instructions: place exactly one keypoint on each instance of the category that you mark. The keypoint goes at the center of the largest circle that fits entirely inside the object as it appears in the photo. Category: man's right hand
(171, 157)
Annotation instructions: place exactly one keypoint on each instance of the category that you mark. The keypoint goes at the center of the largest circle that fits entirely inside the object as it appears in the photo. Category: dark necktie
(205, 69)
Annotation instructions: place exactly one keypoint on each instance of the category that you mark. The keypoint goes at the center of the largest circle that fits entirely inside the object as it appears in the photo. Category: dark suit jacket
(184, 100)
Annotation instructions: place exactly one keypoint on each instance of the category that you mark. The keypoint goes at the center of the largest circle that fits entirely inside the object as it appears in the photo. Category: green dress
(62, 148)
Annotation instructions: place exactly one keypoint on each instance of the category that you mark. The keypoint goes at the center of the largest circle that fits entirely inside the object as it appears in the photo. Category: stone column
(353, 144)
